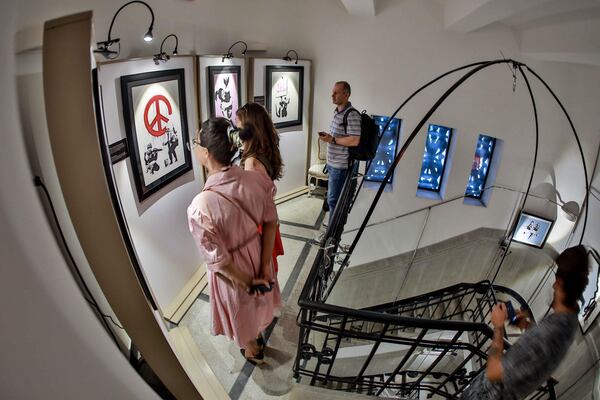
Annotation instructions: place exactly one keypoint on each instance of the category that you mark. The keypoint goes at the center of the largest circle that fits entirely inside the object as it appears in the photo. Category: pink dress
(225, 234)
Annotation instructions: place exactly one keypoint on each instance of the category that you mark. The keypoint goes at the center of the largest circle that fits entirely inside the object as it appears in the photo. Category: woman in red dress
(261, 152)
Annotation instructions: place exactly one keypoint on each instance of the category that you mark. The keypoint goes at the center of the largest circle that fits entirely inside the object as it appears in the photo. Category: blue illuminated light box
(435, 157)
(532, 230)
(386, 152)
(481, 166)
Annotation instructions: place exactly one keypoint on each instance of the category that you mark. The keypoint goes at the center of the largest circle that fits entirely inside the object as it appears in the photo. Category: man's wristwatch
(333, 140)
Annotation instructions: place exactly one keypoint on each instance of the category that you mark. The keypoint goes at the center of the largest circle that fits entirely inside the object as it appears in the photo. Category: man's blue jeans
(337, 176)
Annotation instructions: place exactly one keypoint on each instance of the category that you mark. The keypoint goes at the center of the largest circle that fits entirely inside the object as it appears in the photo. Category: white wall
(53, 346)
(158, 226)
(35, 132)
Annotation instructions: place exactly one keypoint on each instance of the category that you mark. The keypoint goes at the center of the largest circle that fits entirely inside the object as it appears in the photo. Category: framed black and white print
(154, 110)
(284, 94)
(224, 91)
(532, 230)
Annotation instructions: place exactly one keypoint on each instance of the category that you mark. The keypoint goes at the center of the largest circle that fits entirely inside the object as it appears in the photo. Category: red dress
(277, 247)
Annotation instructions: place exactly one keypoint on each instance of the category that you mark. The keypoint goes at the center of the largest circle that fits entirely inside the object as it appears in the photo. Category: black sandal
(261, 343)
(256, 360)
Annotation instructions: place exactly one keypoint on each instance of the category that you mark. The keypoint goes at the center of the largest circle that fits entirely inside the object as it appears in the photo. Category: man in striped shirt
(339, 139)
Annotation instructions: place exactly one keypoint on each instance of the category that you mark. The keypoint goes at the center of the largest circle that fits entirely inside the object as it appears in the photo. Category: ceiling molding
(360, 7)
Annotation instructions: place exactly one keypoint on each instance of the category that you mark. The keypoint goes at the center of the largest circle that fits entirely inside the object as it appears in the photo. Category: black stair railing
(400, 324)
(450, 345)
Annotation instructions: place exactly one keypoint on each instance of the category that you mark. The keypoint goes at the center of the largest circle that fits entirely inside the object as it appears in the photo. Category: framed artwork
(224, 91)
(532, 230)
(589, 309)
(387, 149)
(284, 94)
(154, 110)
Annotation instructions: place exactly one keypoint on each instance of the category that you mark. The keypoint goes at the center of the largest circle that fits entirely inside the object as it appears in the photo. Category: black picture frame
(214, 72)
(526, 242)
(296, 116)
(140, 164)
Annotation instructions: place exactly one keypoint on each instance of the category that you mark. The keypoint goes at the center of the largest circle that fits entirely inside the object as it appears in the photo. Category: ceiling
(550, 30)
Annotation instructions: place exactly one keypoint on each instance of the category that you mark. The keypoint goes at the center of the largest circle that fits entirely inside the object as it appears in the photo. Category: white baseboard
(186, 297)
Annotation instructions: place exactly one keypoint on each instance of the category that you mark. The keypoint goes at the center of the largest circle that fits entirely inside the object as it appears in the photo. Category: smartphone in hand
(322, 134)
(512, 315)
(260, 288)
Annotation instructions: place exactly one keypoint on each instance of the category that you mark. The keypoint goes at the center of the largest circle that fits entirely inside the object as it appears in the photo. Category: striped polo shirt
(337, 155)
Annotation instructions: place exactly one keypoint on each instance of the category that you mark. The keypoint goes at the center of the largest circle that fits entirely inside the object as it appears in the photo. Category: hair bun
(246, 132)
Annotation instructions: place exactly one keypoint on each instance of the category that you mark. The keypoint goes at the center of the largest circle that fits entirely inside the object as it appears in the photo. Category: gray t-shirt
(529, 362)
(337, 155)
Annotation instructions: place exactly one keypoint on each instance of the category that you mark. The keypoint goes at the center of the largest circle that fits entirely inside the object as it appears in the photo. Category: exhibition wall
(54, 346)
(35, 133)
(157, 225)
(294, 139)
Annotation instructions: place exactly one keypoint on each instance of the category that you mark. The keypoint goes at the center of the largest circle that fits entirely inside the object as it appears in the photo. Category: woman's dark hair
(573, 271)
(261, 136)
(214, 136)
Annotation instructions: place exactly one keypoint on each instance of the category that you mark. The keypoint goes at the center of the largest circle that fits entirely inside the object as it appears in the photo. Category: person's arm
(268, 242)
(494, 370)
(348, 141)
(252, 164)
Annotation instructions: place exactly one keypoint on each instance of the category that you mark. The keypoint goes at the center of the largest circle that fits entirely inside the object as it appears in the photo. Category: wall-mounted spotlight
(104, 47)
(288, 58)
(162, 56)
(230, 55)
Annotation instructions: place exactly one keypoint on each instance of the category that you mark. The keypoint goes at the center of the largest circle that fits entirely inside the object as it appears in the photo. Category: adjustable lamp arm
(148, 34)
(176, 43)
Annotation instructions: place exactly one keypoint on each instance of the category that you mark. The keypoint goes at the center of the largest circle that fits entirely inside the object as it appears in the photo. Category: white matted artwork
(294, 139)
(224, 91)
(532, 230)
(284, 94)
(221, 86)
(155, 117)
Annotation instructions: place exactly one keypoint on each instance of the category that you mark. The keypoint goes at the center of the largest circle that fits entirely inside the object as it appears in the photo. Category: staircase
(434, 343)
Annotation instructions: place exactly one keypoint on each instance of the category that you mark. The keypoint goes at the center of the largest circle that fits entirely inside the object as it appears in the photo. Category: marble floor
(301, 221)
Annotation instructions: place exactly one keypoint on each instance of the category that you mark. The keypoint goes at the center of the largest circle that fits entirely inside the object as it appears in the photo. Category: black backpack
(369, 136)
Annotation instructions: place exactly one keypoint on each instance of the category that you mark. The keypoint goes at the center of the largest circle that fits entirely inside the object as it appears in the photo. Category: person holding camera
(223, 220)
(529, 362)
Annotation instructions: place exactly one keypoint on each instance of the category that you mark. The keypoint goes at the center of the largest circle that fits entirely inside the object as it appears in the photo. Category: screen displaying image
(532, 230)
(434, 157)
(386, 151)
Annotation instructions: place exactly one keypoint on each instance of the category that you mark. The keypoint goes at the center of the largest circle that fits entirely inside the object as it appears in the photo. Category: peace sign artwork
(154, 111)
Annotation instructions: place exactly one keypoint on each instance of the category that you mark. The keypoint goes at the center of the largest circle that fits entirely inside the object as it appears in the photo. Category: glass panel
(386, 152)
(434, 157)
(481, 166)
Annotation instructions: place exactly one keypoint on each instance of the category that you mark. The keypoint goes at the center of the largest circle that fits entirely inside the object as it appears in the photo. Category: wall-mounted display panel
(387, 149)
(435, 156)
(532, 230)
(480, 168)
(224, 90)
(154, 112)
(284, 94)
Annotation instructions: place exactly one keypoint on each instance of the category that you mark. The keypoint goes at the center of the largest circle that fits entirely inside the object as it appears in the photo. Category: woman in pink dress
(223, 220)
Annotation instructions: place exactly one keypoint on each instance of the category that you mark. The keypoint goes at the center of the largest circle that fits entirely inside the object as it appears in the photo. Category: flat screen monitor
(532, 230)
